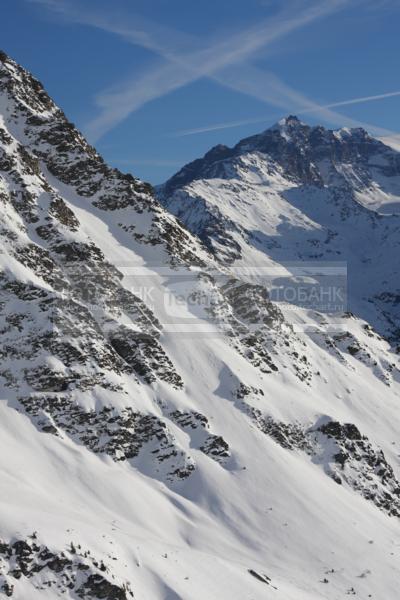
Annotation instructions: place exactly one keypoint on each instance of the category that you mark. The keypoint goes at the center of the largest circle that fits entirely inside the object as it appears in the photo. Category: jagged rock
(121, 434)
(210, 444)
(67, 572)
(354, 460)
(362, 466)
(145, 355)
(96, 586)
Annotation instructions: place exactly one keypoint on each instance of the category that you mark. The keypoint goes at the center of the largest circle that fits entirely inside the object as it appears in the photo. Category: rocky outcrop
(73, 573)
(345, 455)
(198, 428)
(120, 434)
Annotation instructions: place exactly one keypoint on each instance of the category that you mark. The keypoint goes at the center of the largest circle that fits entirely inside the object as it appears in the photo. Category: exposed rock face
(119, 434)
(346, 456)
(355, 461)
(65, 572)
(210, 444)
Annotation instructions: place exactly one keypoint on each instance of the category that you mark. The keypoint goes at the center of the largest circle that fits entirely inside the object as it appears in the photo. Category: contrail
(232, 124)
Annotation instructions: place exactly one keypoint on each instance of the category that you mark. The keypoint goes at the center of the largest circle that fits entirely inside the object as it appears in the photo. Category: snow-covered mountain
(168, 432)
(299, 193)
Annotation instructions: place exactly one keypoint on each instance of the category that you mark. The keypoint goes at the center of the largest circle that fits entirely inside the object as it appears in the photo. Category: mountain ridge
(301, 139)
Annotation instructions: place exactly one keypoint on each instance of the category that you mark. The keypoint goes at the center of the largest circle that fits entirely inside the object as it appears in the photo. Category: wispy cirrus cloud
(362, 99)
(184, 68)
(182, 60)
(181, 65)
(391, 140)
(298, 111)
(134, 29)
(267, 87)
(218, 126)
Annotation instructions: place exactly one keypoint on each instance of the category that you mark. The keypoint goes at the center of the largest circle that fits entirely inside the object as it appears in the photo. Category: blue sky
(156, 83)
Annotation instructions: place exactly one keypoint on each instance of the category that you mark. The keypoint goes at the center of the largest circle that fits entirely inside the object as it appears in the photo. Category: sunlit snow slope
(164, 450)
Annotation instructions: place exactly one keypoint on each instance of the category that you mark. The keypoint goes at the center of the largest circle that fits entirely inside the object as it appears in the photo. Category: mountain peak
(287, 127)
(291, 121)
(290, 125)
(298, 148)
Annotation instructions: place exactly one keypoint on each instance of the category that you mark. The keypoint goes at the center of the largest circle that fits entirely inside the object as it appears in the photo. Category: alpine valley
(171, 429)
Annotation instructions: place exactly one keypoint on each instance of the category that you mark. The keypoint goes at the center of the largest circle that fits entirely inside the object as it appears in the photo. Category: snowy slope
(167, 432)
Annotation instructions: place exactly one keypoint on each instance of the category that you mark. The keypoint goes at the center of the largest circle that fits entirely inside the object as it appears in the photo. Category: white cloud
(182, 62)
(296, 110)
(392, 141)
(217, 126)
(181, 66)
(267, 87)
